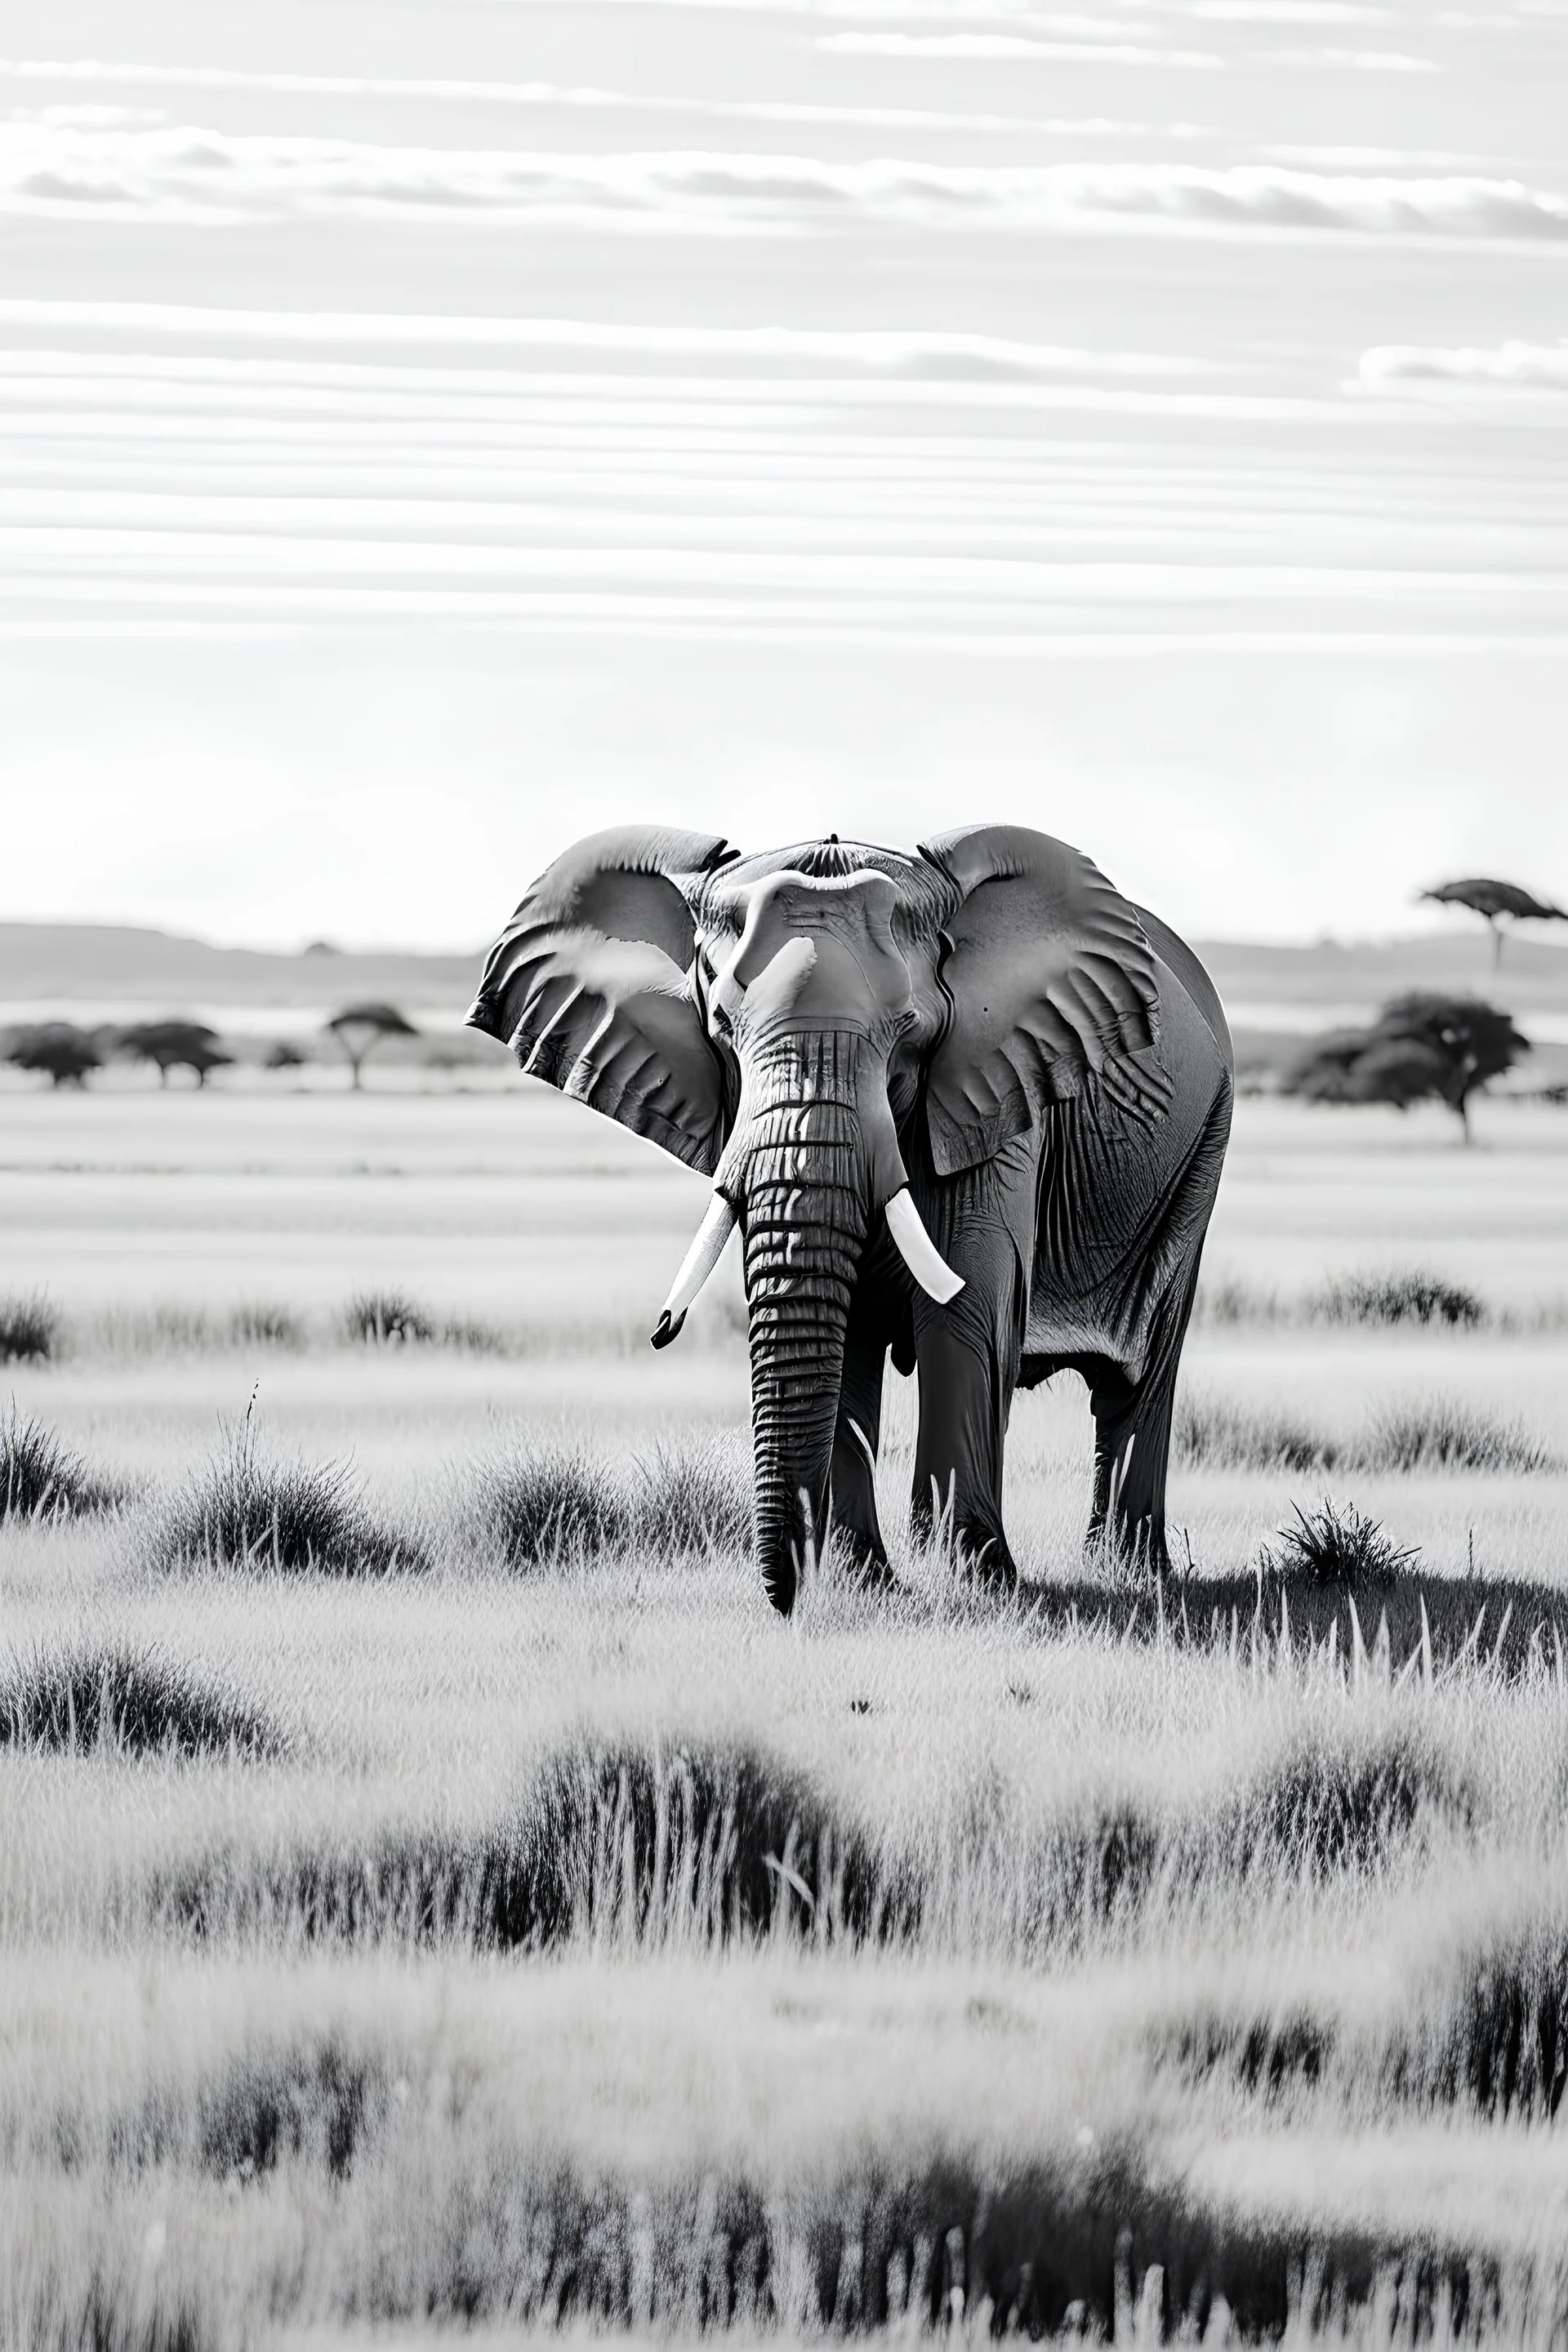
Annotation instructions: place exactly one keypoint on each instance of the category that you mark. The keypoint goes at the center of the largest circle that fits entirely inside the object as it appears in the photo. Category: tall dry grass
(453, 1899)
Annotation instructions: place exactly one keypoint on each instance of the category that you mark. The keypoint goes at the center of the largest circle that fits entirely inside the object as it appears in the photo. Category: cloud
(536, 95)
(1008, 45)
(186, 175)
(1356, 60)
(869, 351)
(1535, 366)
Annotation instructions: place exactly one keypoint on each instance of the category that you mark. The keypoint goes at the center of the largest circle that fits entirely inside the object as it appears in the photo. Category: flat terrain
(493, 1919)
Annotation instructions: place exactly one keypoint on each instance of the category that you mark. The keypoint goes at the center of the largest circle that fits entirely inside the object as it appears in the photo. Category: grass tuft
(263, 1323)
(246, 1509)
(42, 1478)
(1408, 1295)
(1211, 1433)
(1498, 2042)
(1334, 1547)
(534, 1504)
(1214, 1434)
(136, 1700)
(1443, 1435)
(1230, 1300)
(718, 1838)
(386, 1318)
(472, 1335)
(702, 1843)
(167, 1328)
(1269, 2057)
(29, 1329)
(290, 2104)
(1334, 1805)
(1318, 1810)
(691, 1503)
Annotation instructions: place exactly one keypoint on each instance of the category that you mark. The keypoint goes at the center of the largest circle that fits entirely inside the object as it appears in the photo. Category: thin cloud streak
(181, 176)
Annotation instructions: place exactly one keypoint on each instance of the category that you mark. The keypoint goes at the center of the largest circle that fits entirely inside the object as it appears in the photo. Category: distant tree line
(68, 1055)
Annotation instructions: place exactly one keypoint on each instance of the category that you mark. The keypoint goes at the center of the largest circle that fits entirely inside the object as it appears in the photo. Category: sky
(430, 432)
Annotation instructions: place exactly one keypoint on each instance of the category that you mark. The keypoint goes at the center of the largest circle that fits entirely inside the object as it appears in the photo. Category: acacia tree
(1492, 900)
(359, 1028)
(1421, 1047)
(66, 1053)
(174, 1045)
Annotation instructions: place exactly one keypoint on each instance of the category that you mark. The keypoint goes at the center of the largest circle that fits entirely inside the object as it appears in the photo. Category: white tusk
(919, 1251)
(707, 1249)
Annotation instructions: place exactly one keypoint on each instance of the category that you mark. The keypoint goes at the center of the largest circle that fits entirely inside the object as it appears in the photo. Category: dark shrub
(249, 1510)
(1407, 1295)
(386, 1319)
(29, 1330)
(138, 1700)
(41, 1478)
(1334, 1547)
(1447, 1436)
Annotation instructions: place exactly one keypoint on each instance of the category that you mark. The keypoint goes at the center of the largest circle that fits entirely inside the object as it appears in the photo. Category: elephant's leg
(856, 1440)
(968, 1355)
(1132, 1451)
(1132, 1417)
(958, 1456)
(1133, 1439)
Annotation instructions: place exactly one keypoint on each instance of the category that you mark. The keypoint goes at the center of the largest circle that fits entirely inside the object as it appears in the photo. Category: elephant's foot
(984, 1555)
(864, 1559)
(1137, 1544)
(976, 1545)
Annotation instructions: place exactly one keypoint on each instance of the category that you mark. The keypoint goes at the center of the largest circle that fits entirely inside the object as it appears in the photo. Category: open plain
(435, 1890)
(469, 1904)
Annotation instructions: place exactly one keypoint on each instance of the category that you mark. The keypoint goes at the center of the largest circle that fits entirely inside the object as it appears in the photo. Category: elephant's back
(1186, 967)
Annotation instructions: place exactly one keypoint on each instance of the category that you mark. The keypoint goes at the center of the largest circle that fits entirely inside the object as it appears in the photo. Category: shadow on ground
(1510, 1625)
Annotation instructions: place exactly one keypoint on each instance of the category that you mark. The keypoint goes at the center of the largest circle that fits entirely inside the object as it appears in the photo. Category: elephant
(968, 1107)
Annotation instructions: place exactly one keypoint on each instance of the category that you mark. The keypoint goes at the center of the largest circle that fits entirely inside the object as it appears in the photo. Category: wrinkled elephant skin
(969, 1106)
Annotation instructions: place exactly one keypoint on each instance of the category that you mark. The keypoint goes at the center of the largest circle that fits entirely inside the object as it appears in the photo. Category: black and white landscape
(437, 1893)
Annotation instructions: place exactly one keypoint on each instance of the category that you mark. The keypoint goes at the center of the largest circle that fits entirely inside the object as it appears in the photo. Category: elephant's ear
(589, 984)
(1052, 982)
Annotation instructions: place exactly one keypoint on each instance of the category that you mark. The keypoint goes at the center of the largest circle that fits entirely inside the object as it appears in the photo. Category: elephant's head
(799, 1025)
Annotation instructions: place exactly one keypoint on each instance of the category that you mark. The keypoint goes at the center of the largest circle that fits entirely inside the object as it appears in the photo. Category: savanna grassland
(434, 1888)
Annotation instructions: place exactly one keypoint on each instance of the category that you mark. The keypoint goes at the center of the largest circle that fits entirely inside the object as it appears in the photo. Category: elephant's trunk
(802, 1174)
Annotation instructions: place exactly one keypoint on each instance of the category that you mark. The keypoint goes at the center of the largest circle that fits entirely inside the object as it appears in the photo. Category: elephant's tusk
(919, 1251)
(707, 1249)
